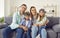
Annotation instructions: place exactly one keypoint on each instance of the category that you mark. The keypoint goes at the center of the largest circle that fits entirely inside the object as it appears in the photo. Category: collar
(18, 13)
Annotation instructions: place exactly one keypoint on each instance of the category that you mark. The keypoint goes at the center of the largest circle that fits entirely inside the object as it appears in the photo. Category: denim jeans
(41, 30)
(27, 34)
(19, 33)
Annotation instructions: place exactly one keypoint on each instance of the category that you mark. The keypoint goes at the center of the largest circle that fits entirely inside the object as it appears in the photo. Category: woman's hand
(36, 24)
(40, 25)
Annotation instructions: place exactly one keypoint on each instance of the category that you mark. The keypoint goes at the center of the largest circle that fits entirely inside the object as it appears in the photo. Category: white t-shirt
(26, 23)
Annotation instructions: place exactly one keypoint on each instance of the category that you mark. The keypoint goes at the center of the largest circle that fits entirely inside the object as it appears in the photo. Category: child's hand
(25, 28)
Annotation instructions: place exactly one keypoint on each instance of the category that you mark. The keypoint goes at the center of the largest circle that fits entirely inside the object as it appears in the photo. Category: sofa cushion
(1, 33)
(53, 21)
(58, 35)
(3, 25)
(51, 33)
(8, 20)
(56, 28)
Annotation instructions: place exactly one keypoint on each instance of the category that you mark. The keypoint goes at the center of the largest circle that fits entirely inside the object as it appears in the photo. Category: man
(15, 26)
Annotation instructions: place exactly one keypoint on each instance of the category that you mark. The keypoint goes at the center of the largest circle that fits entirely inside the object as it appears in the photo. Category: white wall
(58, 8)
(37, 3)
(1, 8)
(7, 7)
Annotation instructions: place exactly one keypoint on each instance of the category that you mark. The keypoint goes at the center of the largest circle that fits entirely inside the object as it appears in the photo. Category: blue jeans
(7, 31)
(27, 34)
(19, 33)
(41, 30)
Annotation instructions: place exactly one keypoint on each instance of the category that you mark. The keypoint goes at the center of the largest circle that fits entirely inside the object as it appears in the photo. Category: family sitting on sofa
(27, 24)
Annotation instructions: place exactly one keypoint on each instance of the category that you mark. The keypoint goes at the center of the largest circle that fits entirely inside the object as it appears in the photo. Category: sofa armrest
(56, 28)
(3, 25)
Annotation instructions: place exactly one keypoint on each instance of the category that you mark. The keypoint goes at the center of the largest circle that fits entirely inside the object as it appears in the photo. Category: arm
(14, 22)
(47, 21)
(21, 24)
(42, 22)
(30, 24)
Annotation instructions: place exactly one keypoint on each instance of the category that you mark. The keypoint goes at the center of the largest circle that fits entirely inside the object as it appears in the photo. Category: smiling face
(41, 13)
(23, 8)
(33, 11)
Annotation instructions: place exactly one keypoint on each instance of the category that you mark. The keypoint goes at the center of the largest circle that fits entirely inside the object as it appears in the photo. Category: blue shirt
(29, 24)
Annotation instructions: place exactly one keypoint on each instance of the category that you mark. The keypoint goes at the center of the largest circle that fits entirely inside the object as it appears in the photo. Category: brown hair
(23, 5)
(26, 14)
(42, 10)
(30, 11)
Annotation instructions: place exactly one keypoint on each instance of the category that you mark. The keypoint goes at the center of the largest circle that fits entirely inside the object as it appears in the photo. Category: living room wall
(11, 5)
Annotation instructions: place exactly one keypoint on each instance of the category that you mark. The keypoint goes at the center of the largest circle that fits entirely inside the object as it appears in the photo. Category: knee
(34, 28)
(43, 31)
(20, 30)
(4, 31)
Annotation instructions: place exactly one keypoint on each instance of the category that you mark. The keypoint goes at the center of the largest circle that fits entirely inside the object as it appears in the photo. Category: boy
(26, 22)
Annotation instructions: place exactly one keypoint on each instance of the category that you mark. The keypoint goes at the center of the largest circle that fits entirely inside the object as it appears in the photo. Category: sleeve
(42, 21)
(21, 23)
(30, 24)
(47, 21)
(14, 24)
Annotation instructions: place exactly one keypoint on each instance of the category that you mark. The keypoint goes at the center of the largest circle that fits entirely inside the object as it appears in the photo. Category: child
(26, 22)
(41, 18)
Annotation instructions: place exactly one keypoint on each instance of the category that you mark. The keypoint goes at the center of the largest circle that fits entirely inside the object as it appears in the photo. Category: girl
(40, 24)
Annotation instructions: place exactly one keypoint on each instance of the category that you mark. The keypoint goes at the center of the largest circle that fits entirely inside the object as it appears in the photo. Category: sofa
(52, 28)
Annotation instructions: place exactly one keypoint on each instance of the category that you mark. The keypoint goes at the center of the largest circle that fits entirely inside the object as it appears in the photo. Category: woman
(39, 25)
(33, 14)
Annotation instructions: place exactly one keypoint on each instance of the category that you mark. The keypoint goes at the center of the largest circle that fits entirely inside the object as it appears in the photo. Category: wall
(11, 5)
(6, 7)
(1, 8)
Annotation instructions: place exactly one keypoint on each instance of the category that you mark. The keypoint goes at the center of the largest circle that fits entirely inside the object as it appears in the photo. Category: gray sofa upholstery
(58, 35)
(52, 28)
(56, 28)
